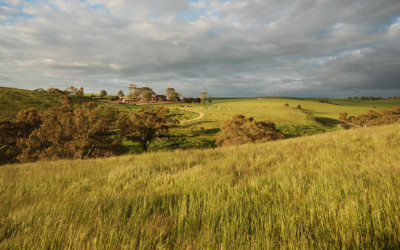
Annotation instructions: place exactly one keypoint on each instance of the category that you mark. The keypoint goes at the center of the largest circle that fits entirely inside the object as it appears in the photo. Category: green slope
(336, 190)
(13, 100)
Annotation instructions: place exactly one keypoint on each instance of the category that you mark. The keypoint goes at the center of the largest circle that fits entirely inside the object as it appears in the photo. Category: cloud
(234, 48)
(4, 10)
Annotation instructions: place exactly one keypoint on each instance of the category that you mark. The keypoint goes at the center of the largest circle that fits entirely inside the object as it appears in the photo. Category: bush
(371, 118)
(240, 130)
(75, 132)
(13, 132)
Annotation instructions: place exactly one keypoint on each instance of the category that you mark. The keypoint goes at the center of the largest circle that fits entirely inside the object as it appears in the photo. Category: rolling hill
(335, 190)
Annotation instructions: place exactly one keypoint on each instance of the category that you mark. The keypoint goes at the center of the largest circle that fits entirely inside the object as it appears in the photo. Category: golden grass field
(335, 190)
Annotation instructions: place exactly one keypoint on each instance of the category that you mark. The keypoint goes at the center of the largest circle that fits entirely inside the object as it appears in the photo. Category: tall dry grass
(337, 190)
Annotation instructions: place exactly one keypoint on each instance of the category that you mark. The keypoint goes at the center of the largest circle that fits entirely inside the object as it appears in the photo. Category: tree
(120, 93)
(147, 96)
(145, 89)
(145, 125)
(240, 130)
(79, 93)
(210, 100)
(75, 132)
(55, 91)
(134, 92)
(203, 97)
(103, 93)
(12, 132)
(40, 90)
(70, 90)
(172, 95)
(197, 100)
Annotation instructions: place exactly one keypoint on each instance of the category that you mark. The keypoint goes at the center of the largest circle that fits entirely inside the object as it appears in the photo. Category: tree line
(78, 132)
(373, 98)
(71, 90)
(146, 94)
(135, 94)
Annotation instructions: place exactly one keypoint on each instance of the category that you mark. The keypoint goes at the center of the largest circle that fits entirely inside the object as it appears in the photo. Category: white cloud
(228, 48)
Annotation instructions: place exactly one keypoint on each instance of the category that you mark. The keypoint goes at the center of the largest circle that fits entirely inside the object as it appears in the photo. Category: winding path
(201, 115)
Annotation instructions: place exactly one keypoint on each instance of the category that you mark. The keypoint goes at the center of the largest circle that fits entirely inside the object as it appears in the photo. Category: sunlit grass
(337, 190)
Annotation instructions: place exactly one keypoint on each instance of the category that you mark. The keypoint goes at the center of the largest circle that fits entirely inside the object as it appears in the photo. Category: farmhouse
(125, 100)
(160, 98)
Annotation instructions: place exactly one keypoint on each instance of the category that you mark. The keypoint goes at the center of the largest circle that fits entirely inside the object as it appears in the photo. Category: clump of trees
(71, 90)
(145, 126)
(120, 94)
(371, 118)
(241, 130)
(191, 100)
(70, 131)
(13, 133)
(136, 93)
(78, 132)
(372, 98)
(56, 91)
(172, 95)
(103, 93)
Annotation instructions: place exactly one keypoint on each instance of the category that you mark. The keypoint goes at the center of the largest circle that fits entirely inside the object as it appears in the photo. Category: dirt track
(201, 115)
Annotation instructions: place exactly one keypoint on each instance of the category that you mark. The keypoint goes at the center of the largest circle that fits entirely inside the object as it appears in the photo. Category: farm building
(160, 98)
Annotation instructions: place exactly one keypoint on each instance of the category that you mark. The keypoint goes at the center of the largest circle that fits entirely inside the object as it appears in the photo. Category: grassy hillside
(314, 117)
(13, 100)
(336, 190)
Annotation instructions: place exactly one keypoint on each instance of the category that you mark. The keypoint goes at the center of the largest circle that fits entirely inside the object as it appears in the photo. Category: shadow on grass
(291, 131)
(211, 131)
(328, 122)
(182, 142)
(191, 124)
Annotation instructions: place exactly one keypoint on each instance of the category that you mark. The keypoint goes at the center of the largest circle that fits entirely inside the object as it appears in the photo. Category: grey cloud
(377, 69)
(237, 48)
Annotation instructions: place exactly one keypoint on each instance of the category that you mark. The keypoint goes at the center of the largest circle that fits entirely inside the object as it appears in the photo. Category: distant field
(336, 190)
(313, 118)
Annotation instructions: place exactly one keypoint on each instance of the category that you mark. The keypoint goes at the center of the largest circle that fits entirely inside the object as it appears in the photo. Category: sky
(240, 48)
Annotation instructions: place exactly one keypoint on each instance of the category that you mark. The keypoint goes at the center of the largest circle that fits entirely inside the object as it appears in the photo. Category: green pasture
(336, 190)
(314, 117)
(273, 109)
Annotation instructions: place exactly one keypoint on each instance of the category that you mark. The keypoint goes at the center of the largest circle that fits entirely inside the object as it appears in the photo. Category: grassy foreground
(339, 189)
